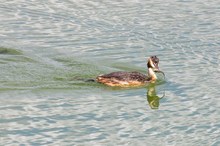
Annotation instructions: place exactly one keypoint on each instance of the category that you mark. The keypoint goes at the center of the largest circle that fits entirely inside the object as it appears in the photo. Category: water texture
(49, 48)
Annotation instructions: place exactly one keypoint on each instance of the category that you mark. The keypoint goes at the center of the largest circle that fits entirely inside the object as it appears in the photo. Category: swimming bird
(129, 79)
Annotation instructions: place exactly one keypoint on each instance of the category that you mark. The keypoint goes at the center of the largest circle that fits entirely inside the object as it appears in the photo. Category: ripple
(57, 43)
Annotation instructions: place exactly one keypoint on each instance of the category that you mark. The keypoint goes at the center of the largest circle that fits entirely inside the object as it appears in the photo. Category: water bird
(131, 79)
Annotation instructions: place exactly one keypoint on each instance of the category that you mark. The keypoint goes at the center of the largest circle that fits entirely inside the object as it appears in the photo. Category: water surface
(49, 47)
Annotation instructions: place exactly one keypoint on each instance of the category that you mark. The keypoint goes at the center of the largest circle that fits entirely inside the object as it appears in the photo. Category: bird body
(128, 79)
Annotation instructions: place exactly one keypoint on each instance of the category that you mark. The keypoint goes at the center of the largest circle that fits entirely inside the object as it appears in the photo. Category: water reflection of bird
(152, 98)
(129, 79)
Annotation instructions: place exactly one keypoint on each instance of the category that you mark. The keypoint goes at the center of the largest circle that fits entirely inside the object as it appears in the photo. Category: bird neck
(151, 74)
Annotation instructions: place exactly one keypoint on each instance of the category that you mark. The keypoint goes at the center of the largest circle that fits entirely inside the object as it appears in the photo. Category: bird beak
(156, 69)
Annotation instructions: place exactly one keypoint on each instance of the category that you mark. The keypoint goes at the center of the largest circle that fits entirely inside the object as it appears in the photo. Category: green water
(49, 48)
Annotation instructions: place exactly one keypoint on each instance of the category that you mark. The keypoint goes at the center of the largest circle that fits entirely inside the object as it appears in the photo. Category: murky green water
(49, 47)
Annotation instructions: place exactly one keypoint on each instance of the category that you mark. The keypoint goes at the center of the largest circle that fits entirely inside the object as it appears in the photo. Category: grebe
(128, 79)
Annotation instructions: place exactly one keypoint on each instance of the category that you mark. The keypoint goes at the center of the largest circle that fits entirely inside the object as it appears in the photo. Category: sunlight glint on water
(49, 48)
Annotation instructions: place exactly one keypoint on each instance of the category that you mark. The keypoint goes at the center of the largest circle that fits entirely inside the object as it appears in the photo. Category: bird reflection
(152, 97)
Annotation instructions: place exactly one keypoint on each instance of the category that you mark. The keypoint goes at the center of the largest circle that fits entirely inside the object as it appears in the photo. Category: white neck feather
(152, 74)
